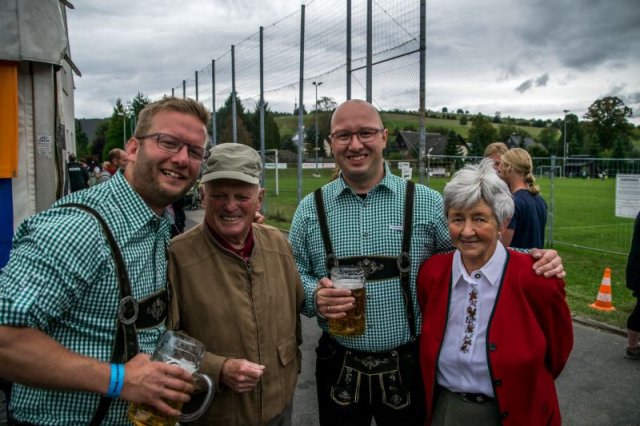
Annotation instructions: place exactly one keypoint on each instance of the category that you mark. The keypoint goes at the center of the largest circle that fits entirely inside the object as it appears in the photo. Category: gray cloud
(483, 62)
(581, 34)
(633, 98)
(542, 80)
(524, 86)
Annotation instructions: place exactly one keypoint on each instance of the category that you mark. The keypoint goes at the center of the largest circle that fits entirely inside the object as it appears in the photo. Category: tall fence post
(301, 105)
(369, 51)
(197, 85)
(423, 61)
(214, 129)
(348, 49)
(263, 178)
(234, 117)
(552, 201)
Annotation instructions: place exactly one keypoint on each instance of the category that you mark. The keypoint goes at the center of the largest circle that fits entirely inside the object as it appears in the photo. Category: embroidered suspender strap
(332, 260)
(125, 345)
(404, 260)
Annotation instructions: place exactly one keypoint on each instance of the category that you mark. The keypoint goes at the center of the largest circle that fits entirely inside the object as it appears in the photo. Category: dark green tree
(100, 140)
(271, 129)
(134, 107)
(297, 109)
(82, 142)
(452, 144)
(117, 131)
(481, 134)
(608, 120)
(548, 138)
(576, 142)
(224, 123)
(326, 104)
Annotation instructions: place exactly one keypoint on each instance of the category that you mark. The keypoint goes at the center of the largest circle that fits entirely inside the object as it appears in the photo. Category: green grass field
(584, 217)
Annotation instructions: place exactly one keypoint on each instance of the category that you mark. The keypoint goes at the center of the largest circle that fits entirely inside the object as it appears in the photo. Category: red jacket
(529, 338)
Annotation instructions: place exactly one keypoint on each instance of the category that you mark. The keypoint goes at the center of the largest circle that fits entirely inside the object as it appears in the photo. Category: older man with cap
(236, 288)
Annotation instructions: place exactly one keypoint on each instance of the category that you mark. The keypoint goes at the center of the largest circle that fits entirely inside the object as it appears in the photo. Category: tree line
(604, 131)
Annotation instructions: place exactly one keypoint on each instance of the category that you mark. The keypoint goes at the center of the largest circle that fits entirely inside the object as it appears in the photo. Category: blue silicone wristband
(120, 381)
(113, 379)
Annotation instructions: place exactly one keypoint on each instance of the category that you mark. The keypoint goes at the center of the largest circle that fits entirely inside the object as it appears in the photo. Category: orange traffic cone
(603, 301)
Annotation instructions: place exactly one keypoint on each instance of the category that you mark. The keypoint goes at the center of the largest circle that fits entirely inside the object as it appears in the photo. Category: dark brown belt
(478, 398)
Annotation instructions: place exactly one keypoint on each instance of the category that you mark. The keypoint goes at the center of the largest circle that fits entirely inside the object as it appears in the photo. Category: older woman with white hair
(495, 336)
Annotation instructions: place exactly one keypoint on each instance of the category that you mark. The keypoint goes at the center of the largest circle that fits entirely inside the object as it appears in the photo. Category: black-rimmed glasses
(170, 143)
(365, 135)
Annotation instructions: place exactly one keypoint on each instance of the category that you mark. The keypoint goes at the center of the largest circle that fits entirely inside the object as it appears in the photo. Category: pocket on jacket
(287, 350)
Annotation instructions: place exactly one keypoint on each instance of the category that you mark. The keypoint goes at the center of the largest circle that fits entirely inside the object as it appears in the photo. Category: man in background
(118, 158)
(494, 151)
(78, 176)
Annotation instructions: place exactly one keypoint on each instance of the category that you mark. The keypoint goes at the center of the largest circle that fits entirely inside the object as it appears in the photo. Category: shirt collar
(492, 270)
(244, 252)
(133, 207)
(389, 181)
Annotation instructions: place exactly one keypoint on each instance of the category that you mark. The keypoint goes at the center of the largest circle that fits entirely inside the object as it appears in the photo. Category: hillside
(288, 124)
(89, 125)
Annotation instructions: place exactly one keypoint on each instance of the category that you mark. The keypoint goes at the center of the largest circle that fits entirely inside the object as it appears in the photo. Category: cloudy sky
(531, 58)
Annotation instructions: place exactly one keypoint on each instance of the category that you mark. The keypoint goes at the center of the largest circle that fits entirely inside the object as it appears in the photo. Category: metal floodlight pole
(123, 114)
(565, 147)
(429, 167)
(316, 84)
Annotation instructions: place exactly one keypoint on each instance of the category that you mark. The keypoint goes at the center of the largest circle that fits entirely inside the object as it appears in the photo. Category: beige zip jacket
(240, 310)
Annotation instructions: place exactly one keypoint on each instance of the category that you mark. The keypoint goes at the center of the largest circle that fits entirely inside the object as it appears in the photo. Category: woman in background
(495, 336)
(526, 228)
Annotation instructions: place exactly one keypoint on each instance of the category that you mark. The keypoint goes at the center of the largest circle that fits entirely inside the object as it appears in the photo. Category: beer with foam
(351, 278)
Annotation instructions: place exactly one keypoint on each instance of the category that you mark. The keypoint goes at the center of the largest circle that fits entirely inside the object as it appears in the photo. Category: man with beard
(118, 158)
(64, 327)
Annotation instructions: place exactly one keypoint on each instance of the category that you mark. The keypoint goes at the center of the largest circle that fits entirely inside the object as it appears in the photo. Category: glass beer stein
(175, 348)
(351, 277)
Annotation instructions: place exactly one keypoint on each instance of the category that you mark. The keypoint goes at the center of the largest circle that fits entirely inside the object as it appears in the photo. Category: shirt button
(504, 415)
(497, 382)
(493, 347)
(477, 276)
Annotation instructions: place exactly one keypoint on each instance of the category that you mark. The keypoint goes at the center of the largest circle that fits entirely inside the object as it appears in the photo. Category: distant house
(439, 164)
(435, 143)
(527, 143)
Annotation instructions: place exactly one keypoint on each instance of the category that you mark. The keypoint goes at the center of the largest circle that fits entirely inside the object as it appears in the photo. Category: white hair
(479, 182)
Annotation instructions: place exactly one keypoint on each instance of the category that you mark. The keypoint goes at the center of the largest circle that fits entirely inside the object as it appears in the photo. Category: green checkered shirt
(370, 227)
(61, 279)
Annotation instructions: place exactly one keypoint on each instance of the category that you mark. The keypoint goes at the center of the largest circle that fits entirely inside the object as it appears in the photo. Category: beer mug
(352, 278)
(175, 348)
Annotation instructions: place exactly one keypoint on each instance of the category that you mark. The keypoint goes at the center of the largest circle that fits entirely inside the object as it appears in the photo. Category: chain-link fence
(333, 38)
(582, 205)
